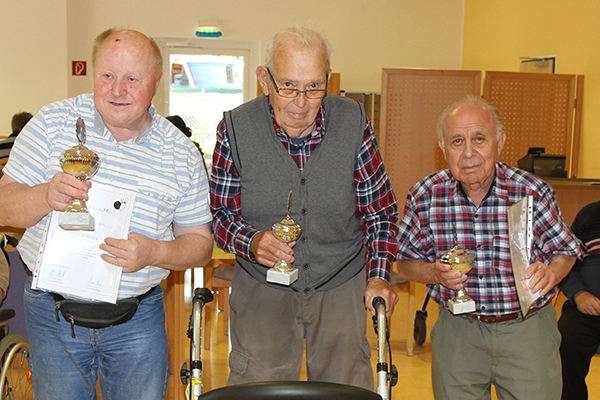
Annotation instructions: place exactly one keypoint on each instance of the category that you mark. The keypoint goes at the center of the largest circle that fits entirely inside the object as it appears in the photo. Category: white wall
(33, 56)
(366, 35)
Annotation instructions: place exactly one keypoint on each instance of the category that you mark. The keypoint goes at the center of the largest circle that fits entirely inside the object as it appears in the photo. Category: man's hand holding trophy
(459, 260)
(83, 164)
(289, 231)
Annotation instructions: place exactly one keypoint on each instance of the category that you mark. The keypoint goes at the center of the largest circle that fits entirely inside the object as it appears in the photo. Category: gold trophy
(461, 261)
(83, 165)
(288, 230)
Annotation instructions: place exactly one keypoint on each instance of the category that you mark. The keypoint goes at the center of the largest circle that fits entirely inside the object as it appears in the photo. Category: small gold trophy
(288, 230)
(461, 261)
(82, 164)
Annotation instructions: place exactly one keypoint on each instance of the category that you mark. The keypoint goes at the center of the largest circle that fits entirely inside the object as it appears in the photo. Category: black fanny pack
(97, 315)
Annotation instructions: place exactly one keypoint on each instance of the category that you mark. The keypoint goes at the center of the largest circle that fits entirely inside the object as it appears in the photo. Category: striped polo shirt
(162, 165)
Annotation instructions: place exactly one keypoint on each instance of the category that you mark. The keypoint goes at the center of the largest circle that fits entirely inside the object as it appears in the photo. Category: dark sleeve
(573, 283)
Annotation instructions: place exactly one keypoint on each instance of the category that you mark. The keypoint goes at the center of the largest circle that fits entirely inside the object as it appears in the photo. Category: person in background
(322, 149)
(170, 225)
(468, 204)
(19, 120)
(579, 323)
(180, 124)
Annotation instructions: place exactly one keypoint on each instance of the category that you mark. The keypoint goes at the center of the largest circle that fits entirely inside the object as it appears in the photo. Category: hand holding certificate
(69, 262)
(520, 230)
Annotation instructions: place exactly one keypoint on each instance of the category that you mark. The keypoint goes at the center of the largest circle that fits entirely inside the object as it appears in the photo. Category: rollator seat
(290, 391)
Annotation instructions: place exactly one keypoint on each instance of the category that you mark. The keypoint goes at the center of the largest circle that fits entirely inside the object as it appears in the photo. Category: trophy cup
(288, 230)
(461, 261)
(82, 164)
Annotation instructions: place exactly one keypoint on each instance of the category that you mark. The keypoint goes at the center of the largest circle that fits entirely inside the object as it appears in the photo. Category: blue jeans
(132, 358)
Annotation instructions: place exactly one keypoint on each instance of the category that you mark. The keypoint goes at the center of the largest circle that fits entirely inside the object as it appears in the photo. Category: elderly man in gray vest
(320, 147)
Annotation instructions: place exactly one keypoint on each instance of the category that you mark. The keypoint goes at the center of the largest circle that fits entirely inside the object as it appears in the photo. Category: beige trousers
(520, 358)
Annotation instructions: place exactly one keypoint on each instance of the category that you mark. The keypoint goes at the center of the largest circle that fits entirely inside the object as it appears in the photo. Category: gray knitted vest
(330, 250)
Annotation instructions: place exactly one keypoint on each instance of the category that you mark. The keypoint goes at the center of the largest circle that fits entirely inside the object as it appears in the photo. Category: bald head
(474, 100)
(298, 38)
(115, 37)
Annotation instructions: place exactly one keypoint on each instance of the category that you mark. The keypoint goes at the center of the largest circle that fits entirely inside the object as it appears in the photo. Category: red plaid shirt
(375, 200)
(437, 203)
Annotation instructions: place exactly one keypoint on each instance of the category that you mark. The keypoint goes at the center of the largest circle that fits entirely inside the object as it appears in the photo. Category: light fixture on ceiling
(208, 30)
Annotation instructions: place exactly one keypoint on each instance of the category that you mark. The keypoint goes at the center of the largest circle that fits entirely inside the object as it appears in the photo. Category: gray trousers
(520, 358)
(270, 328)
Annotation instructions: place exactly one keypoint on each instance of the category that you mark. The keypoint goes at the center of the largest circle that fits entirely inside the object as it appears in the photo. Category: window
(203, 78)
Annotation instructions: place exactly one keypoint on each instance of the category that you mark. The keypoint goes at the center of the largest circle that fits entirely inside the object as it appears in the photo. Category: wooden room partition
(411, 102)
(538, 110)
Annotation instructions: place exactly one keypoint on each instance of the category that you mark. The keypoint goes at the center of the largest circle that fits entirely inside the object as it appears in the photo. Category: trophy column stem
(77, 206)
(461, 296)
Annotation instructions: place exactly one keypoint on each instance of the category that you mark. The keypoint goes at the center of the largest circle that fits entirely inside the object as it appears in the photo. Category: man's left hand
(544, 277)
(380, 288)
(132, 254)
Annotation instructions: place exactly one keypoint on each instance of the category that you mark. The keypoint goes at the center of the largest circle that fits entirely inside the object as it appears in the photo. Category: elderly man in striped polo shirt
(142, 152)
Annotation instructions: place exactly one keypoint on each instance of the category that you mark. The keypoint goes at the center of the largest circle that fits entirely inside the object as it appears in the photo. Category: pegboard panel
(536, 110)
(411, 103)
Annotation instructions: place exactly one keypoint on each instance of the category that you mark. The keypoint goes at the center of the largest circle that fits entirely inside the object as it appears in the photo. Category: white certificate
(69, 262)
(520, 231)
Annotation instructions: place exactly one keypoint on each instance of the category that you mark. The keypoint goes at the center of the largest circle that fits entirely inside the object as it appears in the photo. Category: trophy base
(282, 278)
(461, 307)
(70, 221)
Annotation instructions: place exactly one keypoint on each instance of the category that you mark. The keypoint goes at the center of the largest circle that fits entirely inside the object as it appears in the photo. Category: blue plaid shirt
(437, 203)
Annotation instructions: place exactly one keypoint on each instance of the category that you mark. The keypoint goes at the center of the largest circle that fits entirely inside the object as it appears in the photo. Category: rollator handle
(203, 296)
(379, 318)
(377, 301)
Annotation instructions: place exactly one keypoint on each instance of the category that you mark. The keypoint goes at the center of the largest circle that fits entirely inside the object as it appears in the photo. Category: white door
(202, 78)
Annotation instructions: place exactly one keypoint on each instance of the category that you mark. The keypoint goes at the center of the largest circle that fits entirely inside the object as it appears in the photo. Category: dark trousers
(580, 340)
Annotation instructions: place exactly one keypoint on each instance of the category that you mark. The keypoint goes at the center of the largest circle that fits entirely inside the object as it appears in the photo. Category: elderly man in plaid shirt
(469, 201)
(323, 150)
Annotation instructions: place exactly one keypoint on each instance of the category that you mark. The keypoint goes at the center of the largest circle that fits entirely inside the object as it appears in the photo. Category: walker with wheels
(288, 390)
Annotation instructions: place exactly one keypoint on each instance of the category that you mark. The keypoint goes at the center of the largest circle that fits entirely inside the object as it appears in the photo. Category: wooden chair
(400, 283)
(3, 162)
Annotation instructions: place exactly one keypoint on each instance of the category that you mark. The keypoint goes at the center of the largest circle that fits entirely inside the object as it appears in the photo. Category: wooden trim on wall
(575, 146)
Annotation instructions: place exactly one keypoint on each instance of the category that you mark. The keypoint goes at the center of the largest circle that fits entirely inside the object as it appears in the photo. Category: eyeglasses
(293, 93)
